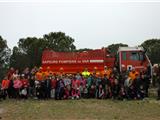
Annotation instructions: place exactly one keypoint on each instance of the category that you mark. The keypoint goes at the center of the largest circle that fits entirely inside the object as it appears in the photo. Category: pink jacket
(17, 84)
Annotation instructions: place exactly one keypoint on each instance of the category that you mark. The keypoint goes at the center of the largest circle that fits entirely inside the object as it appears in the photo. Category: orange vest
(133, 75)
(47, 73)
(39, 76)
(107, 72)
(5, 84)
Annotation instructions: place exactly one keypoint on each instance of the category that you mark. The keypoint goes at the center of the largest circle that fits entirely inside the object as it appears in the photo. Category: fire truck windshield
(138, 56)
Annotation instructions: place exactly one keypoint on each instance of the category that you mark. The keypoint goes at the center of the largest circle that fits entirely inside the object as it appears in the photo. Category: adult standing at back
(85, 73)
(39, 74)
(133, 74)
(107, 71)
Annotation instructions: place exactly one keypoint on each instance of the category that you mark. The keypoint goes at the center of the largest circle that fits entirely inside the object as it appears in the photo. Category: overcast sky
(93, 24)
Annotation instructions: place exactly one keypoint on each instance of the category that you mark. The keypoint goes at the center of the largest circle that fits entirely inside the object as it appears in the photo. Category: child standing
(4, 87)
(17, 84)
(53, 86)
(24, 89)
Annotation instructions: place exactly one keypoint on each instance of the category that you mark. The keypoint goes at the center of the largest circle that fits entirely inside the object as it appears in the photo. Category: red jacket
(53, 84)
(75, 83)
(25, 83)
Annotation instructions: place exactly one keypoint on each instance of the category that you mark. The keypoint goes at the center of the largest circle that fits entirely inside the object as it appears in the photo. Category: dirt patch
(1, 110)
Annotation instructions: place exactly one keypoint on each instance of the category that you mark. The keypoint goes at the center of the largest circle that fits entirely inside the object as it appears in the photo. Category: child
(59, 89)
(24, 89)
(66, 92)
(122, 94)
(141, 93)
(53, 86)
(17, 84)
(108, 92)
(85, 91)
(75, 88)
(38, 89)
(82, 87)
(31, 84)
(75, 93)
(75, 83)
(4, 87)
(115, 89)
(48, 87)
(92, 91)
(127, 85)
(100, 92)
(11, 90)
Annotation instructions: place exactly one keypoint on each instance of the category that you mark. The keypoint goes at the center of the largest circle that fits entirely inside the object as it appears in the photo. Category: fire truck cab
(129, 57)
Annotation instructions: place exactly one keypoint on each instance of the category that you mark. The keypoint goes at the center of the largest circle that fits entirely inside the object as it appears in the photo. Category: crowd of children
(106, 84)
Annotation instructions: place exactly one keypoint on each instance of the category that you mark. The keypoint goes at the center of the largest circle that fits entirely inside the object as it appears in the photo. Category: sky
(92, 23)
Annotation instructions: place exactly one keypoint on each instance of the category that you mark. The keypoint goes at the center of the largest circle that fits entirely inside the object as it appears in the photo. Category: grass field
(87, 109)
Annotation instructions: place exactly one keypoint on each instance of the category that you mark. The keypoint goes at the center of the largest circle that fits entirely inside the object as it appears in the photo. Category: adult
(86, 73)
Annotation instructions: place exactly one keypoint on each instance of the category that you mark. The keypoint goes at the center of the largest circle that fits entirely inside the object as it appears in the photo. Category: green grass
(87, 109)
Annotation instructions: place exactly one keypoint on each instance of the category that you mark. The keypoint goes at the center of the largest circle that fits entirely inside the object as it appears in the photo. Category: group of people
(107, 84)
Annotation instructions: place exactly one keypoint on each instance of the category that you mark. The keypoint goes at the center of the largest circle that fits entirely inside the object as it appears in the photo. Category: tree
(32, 47)
(114, 47)
(152, 46)
(4, 57)
(58, 41)
(29, 50)
(28, 53)
(18, 59)
(83, 49)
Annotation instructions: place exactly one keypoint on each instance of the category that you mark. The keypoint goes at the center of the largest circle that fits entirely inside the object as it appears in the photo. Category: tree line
(28, 51)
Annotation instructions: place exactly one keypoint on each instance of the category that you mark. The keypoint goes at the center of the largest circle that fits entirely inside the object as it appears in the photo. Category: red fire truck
(72, 62)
